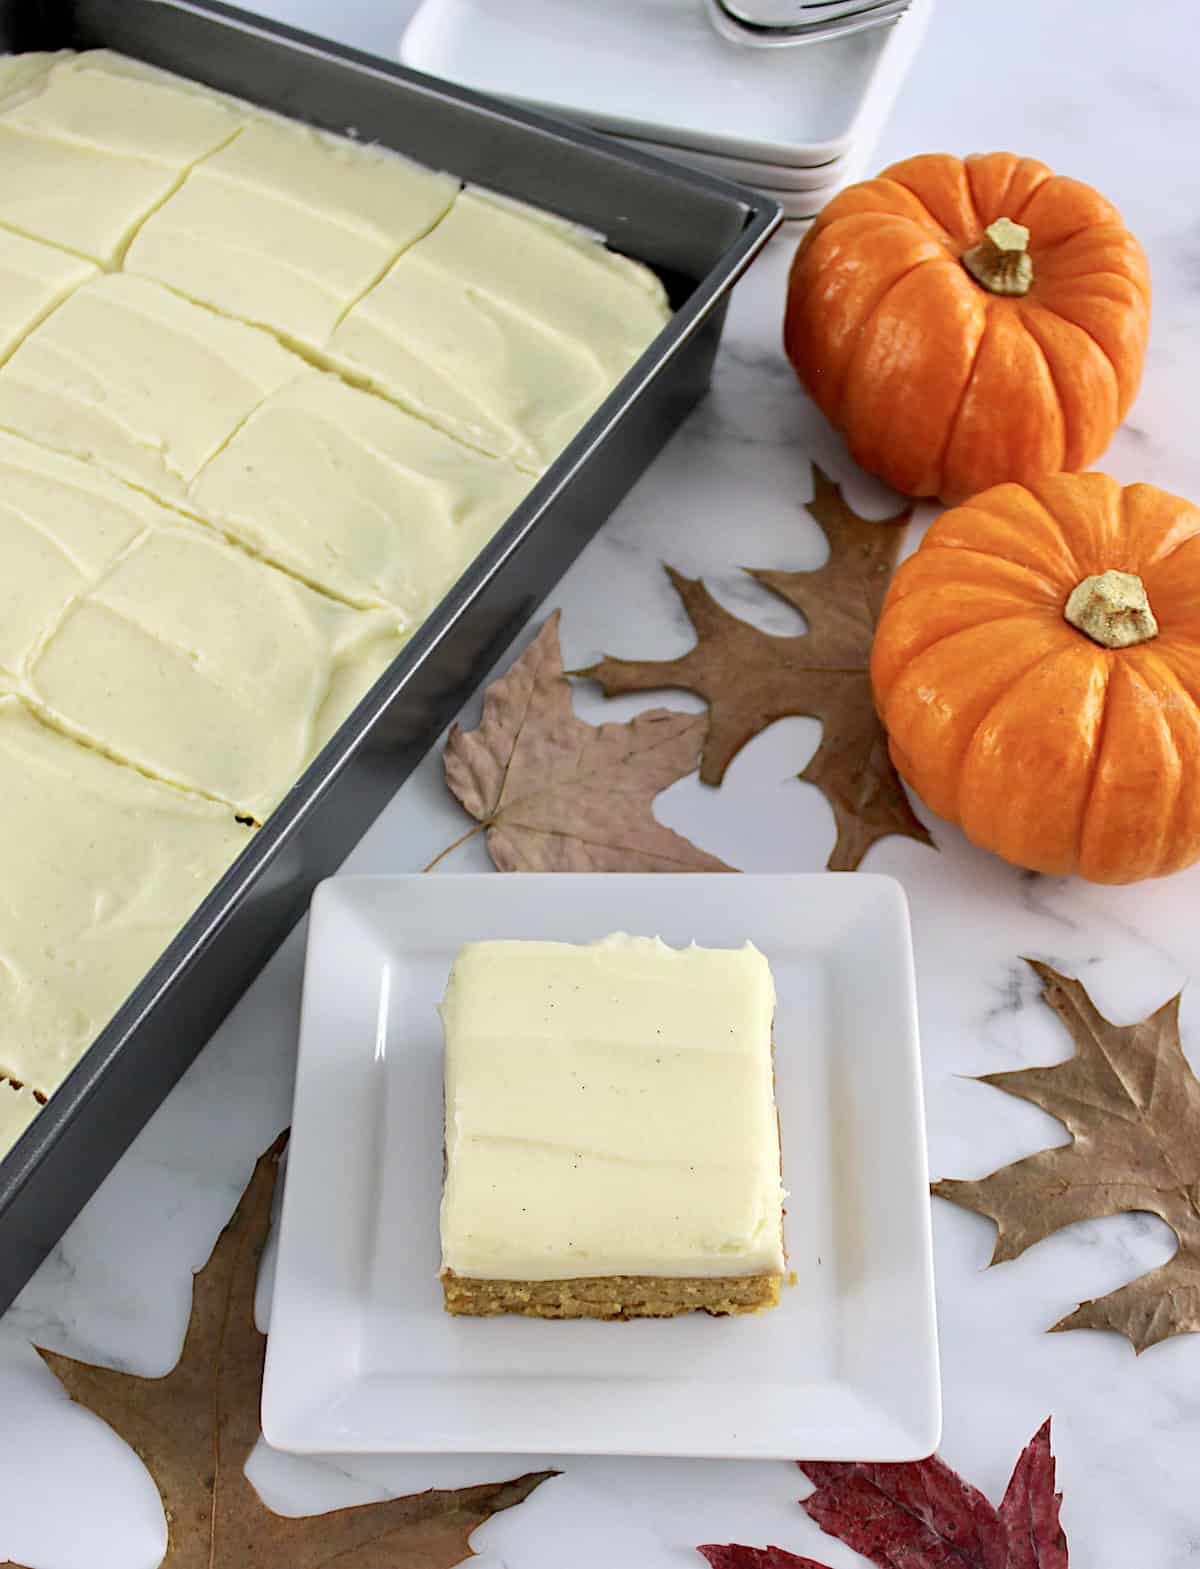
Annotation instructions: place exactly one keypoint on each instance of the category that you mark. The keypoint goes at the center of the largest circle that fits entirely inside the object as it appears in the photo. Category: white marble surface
(1100, 89)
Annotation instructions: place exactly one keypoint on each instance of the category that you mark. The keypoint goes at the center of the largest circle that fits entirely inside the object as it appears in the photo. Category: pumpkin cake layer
(102, 866)
(18, 1107)
(612, 1143)
(611, 1296)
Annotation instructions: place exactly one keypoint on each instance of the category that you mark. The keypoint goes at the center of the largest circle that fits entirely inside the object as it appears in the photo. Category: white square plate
(361, 1355)
(777, 176)
(658, 69)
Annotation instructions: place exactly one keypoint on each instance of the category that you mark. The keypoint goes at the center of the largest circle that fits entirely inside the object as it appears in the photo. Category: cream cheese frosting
(610, 1111)
(497, 324)
(90, 101)
(340, 487)
(89, 153)
(159, 642)
(62, 525)
(286, 227)
(110, 63)
(356, 496)
(75, 196)
(148, 385)
(504, 326)
(208, 669)
(34, 278)
(101, 868)
(21, 74)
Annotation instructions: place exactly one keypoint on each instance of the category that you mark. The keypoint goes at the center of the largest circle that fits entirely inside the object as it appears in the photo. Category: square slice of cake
(612, 1142)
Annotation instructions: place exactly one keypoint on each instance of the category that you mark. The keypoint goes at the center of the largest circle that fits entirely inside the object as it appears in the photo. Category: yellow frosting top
(87, 153)
(132, 377)
(160, 643)
(208, 669)
(505, 326)
(62, 525)
(287, 227)
(610, 1111)
(101, 868)
(34, 278)
(349, 492)
(356, 496)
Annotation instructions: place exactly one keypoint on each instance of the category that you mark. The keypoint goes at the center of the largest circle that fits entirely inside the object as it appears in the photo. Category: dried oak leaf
(558, 795)
(751, 678)
(195, 1428)
(1132, 1106)
(923, 1515)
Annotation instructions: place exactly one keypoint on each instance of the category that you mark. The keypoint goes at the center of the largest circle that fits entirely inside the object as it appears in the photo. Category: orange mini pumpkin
(1037, 668)
(969, 321)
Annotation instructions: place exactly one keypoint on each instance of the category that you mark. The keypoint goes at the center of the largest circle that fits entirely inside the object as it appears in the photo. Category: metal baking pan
(699, 233)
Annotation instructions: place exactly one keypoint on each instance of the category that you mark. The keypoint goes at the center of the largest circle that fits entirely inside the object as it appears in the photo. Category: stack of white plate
(798, 123)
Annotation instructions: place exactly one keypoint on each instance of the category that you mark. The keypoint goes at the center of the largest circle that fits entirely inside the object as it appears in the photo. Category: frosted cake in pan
(264, 394)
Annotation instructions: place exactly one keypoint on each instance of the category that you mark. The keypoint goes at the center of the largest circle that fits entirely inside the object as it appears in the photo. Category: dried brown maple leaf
(922, 1515)
(751, 678)
(195, 1428)
(1132, 1106)
(555, 794)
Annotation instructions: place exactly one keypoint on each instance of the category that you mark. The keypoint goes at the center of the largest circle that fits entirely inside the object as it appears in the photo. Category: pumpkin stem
(1001, 261)
(1112, 609)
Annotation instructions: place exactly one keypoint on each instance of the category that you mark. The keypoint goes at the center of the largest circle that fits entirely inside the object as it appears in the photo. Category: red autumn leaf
(1030, 1509)
(733, 1557)
(922, 1515)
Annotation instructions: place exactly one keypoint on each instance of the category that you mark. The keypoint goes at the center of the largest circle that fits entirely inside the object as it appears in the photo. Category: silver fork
(782, 24)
